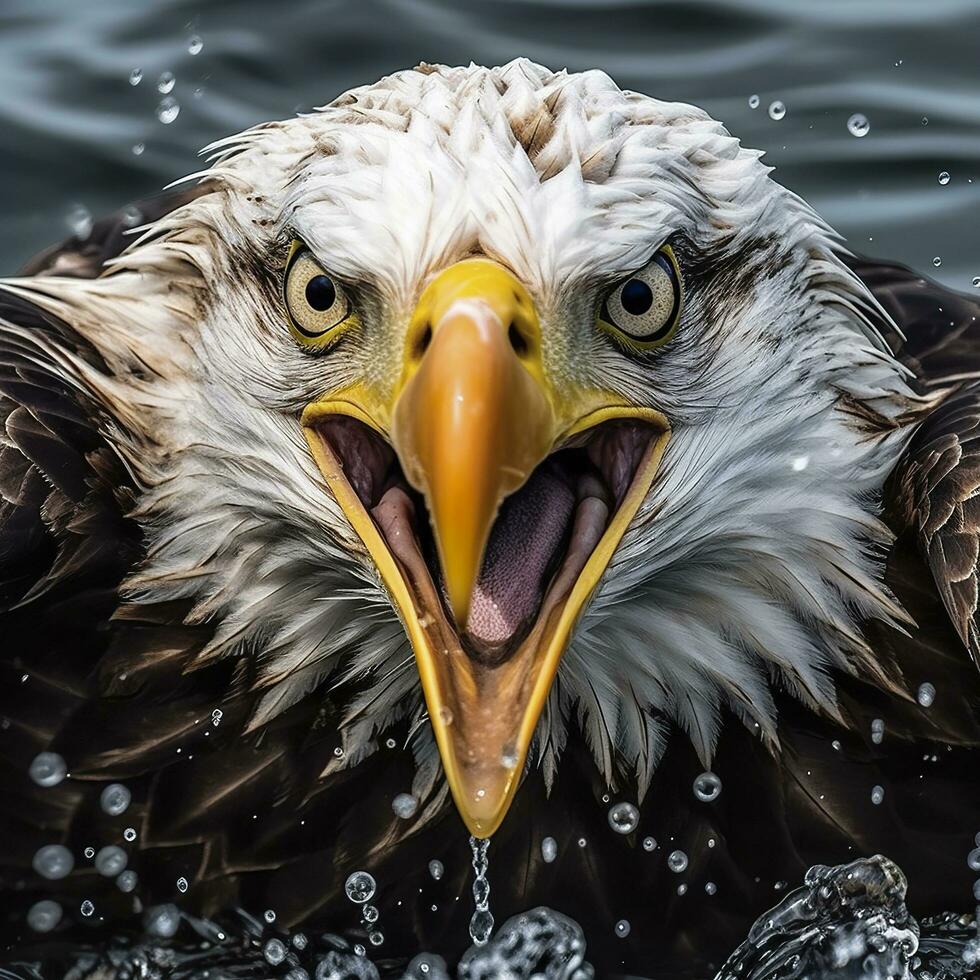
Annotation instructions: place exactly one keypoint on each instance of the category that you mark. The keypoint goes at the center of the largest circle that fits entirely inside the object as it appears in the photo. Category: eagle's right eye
(316, 304)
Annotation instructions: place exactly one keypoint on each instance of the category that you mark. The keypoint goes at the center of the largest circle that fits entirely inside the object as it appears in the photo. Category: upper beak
(473, 416)
(472, 421)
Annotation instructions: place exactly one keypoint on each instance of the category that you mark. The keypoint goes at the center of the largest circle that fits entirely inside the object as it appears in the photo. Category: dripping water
(481, 923)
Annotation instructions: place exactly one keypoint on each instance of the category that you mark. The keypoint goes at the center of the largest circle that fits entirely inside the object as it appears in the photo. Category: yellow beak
(473, 416)
(472, 422)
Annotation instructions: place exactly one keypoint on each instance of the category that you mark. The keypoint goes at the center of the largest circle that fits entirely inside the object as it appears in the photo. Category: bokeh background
(78, 137)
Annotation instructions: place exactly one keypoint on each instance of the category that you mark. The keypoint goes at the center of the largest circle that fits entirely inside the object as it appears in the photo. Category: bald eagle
(513, 446)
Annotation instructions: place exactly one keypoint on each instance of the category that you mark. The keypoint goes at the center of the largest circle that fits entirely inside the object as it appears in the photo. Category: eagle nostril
(422, 342)
(518, 341)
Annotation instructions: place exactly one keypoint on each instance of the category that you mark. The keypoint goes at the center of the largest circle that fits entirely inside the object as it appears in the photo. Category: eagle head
(497, 401)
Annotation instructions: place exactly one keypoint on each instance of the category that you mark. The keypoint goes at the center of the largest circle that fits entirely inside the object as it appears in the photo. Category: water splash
(481, 923)
(539, 943)
(843, 923)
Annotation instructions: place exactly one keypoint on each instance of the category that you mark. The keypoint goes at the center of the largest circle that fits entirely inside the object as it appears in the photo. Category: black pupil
(321, 293)
(636, 297)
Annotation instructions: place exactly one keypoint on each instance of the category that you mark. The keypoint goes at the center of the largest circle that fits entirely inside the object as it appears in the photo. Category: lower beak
(474, 418)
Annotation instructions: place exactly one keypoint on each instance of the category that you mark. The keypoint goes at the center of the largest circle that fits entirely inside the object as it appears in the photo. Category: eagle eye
(316, 304)
(642, 311)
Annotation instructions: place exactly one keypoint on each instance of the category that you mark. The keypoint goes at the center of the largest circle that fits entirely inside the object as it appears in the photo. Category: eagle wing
(934, 491)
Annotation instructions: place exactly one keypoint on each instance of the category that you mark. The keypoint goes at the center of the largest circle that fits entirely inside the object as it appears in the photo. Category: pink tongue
(527, 533)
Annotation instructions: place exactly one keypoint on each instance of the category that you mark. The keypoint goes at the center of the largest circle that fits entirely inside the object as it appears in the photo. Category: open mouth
(539, 544)
(491, 499)
(486, 680)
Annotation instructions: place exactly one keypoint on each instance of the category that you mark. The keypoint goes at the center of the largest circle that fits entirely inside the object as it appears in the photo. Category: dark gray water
(70, 118)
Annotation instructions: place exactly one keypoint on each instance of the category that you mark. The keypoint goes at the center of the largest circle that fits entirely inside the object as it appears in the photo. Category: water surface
(70, 118)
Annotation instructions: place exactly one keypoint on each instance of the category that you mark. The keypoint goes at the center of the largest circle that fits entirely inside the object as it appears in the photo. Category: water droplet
(404, 805)
(937, 261)
(300, 940)
(86, 908)
(926, 694)
(136, 76)
(370, 913)
(925, 120)
(110, 861)
(138, 149)
(182, 884)
(582, 842)
(445, 715)
(777, 110)
(649, 844)
(549, 849)
(131, 216)
(877, 730)
(79, 220)
(53, 861)
(877, 794)
(166, 82)
(976, 281)
(44, 916)
(754, 101)
(168, 110)
(338, 752)
(359, 950)
(360, 887)
(622, 928)
(115, 799)
(130, 834)
(269, 915)
(508, 758)
(973, 859)
(710, 888)
(799, 463)
(858, 125)
(162, 921)
(195, 45)
(707, 787)
(481, 926)
(274, 952)
(976, 889)
(677, 861)
(436, 870)
(624, 818)
(216, 717)
(835, 745)
(682, 888)
(376, 938)
(944, 178)
(48, 769)
(391, 743)
(127, 881)
(89, 852)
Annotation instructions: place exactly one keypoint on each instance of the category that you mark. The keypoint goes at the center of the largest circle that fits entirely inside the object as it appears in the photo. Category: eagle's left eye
(316, 303)
(643, 310)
